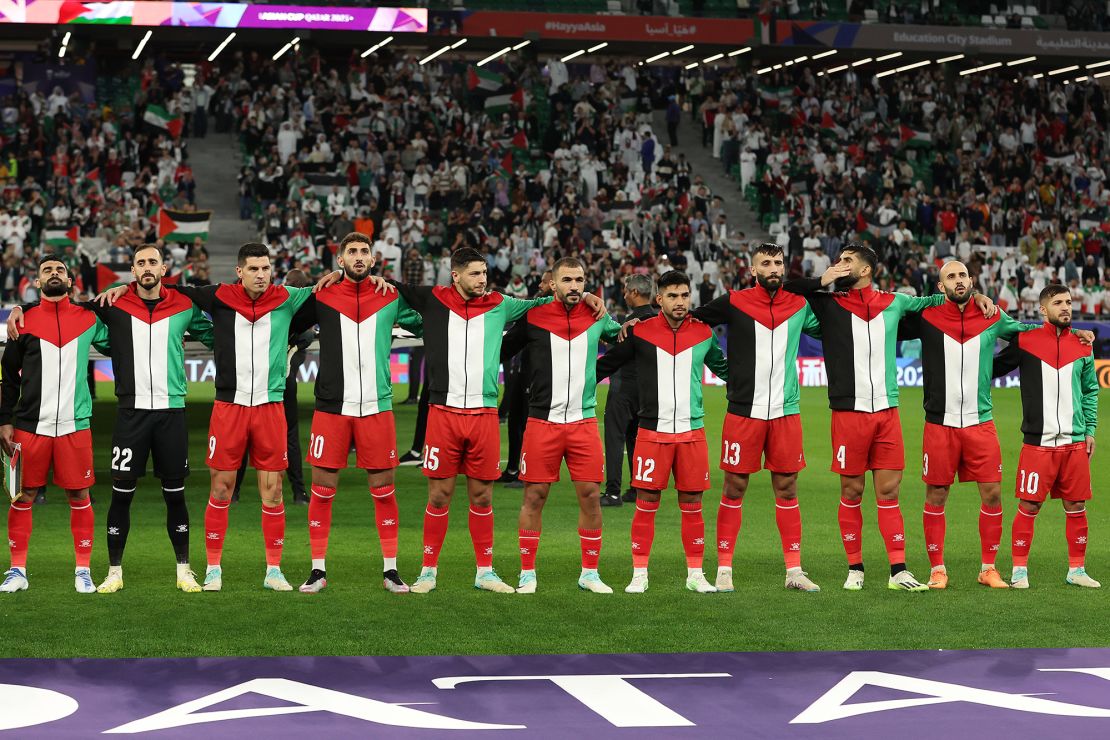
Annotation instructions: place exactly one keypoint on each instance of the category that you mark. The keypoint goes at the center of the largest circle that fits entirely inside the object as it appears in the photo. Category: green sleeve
(1008, 327)
(810, 324)
(715, 359)
(515, 307)
(609, 328)
(1089, 384)
(408, 319)
(910, 304)
(200, 328)
(100, 337)
(297, 297)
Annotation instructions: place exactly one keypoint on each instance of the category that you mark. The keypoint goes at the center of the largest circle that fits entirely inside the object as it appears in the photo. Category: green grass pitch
(354, 616)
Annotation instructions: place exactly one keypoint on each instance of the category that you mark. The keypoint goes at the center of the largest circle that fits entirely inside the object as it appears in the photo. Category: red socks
(19, 532)
(851, 530)
(935, 525)
(215, 529)
(990, 532)
(1075, 528)
(319, 520)
(590, 540)
(693, 534)
(643, 532)
(789, 519)
(273, 533)
(529, 546)
(385, 515)
(729, 516)
(1021, 539)
(481, 534)
(81, 524)
(435, 530)
(893, 531)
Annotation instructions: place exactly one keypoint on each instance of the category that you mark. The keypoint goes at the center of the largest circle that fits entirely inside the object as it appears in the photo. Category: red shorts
(863, 441)
(70, 456)
(746, 442)
(462, 442)
(1063, 471)
(973, 452)
(546, 444)
(659, 454)
(236, 430)
(375, 438)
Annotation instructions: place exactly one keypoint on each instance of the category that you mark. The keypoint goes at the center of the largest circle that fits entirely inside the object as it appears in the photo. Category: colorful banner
(215, 15)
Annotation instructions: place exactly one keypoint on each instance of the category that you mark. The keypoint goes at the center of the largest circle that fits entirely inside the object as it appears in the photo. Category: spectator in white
(391, 254)
(901, 235)
(57, 103)
(720, 231)
(963, 247)
(1028, 133)
(747, 167)
(810, 245)
(337, 201)
(1039, 276)
(1076, 291)
(421, 185)
(1030, 297)
(821, 261)
(1091, 297)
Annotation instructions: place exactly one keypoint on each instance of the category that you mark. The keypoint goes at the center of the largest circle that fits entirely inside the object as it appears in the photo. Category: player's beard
(148, 281)
(54, 288)
(845, 283)
(959, 300)
(1060, 322)
(565, 299)
(770, 282)
(352, 275)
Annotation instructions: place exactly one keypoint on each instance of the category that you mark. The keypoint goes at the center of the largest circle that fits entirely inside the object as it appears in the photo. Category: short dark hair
(142, 247)
(1051, 291)
(50, 258)
(571, 263)
(769, 248)
(252, 249)
(355, 236)
(296, 278)
(866, 253)
(673, 277)
(464, 256)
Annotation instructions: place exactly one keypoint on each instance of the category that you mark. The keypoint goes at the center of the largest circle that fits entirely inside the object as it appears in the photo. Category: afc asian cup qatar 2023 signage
(985, 694)
(216, 15)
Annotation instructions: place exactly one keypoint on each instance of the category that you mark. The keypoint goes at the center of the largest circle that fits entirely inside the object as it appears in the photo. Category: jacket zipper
(674, 378)
(150, 352)
(254, 318)
(962, 389)
(566, 407)
(771, 373)
(1059, 426)
(58, 396)
(358, 345)
(466, 349)
(870, 349)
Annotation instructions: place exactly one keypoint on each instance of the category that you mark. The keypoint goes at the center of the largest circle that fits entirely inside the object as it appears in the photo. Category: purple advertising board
(908, 694)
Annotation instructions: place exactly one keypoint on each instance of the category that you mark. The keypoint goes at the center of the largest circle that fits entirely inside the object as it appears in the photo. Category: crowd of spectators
(424, 167)
(1004, 171)
(68, 163)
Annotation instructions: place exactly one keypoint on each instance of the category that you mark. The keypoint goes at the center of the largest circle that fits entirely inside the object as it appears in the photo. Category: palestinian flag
(773, 97)
(910, 137)
(183, 226)
(61, 238)
(110, 274)
(829, 126)
(159, 117)
(507, 164)
(498, 104)
(483, 79)
(322, 183)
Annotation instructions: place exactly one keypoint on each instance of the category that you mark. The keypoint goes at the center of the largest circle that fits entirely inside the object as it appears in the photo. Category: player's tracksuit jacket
(462, 341)
(562, 357)
(251, 338)
(957, 357)
(1059, 389)
(669, 366)
(764, 330)
(356, 333)
(148, 351)
(859, 330)
(44, 388)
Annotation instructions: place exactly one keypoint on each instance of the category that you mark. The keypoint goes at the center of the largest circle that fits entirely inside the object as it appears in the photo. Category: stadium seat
(1031, 10)
(870, 16)
(1026, 22)
(986, 21)
(1000, 21)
